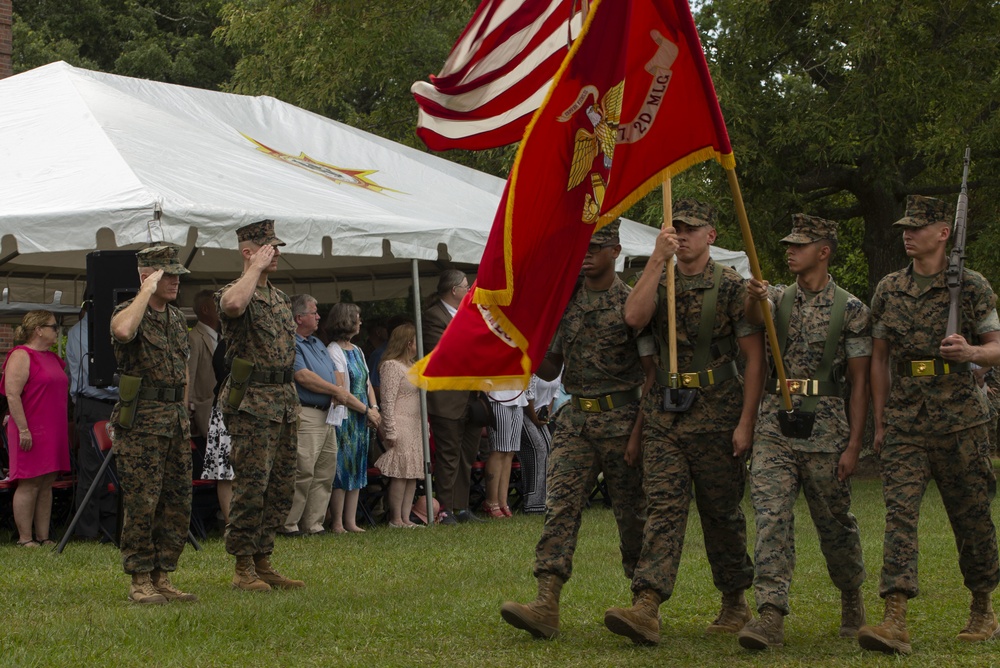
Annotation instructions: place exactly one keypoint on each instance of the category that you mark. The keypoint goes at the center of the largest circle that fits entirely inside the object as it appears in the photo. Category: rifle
(956, 260)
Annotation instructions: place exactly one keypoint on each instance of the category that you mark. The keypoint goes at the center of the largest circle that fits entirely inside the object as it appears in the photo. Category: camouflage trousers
(672, 462)
(574, 463)
(960, 465)
(263, 458)
(777, 473)
(155, 473)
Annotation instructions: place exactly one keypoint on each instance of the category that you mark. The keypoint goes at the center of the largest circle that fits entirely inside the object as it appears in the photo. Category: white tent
(97, 161)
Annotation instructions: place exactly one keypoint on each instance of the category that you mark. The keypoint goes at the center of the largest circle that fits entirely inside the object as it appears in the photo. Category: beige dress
(401, 423)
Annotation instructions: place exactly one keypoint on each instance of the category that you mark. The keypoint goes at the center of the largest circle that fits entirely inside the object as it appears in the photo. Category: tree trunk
(882, 242)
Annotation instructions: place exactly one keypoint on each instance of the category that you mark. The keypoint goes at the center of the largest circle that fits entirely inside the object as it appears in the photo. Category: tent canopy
(97, 161)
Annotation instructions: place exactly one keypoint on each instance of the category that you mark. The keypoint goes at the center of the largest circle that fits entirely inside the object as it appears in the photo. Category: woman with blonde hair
(37, 390)
(403, 460)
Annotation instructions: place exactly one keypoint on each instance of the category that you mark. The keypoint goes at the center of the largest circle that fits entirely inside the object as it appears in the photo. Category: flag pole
(668, 221)
(772, 334)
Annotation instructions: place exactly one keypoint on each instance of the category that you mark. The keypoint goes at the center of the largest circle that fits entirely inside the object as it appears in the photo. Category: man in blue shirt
(90, 405)
(318, 388)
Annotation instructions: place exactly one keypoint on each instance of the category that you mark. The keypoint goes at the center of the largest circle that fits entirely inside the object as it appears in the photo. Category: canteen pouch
(679, 399)
(239, 381)
(796, 424)
(128, 395)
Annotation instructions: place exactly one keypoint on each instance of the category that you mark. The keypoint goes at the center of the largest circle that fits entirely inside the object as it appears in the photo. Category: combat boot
(768, 630)
(641, 622)
(246, 577)
(262, 566)
(852, 613)
(891, 636)
(734, 614)
(163, 586)
(143, 591)
(982, 624)
(540, 618)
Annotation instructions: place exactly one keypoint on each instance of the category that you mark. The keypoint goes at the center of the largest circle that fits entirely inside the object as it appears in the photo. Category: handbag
(480, 413)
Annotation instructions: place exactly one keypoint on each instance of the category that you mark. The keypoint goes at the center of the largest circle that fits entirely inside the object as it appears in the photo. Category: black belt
(606, 402)
(278, 377)
(109, 402)
(167, 394)
(805, 387)
(930, 367)
(316, 406)
(696, 378)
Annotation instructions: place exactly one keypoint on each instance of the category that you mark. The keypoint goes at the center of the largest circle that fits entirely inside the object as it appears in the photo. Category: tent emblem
(340, 175)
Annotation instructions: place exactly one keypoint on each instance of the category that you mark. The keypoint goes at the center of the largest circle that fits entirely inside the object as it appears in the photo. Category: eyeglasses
(462, 287)
(55, 328)
(594, 249)
(310, 313)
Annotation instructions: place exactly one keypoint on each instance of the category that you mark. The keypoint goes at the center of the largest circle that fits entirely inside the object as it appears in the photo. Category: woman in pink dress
(403, 460)
(37, 389)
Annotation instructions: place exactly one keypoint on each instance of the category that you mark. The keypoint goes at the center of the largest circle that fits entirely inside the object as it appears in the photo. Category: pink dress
(44, 398)
(401, 422)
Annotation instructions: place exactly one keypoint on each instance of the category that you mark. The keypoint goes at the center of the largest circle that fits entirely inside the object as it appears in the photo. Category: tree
(350, 61)
(163, 40)
(842, 109)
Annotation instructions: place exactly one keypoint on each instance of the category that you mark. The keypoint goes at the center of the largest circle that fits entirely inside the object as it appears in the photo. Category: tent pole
(428, 489)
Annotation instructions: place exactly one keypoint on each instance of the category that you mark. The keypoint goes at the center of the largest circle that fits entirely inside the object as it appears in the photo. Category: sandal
(506, 511)
(28, 543)
(493, 510)
(45, 542)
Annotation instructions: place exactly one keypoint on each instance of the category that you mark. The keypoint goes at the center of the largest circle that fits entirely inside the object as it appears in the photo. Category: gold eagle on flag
(604, 116)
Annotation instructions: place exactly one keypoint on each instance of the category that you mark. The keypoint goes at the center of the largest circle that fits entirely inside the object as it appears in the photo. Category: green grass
(432, 598)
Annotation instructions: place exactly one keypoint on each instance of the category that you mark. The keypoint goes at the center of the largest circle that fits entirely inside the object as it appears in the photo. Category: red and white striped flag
(497, 74)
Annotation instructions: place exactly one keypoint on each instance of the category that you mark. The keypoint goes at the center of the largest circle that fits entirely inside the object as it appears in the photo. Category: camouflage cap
(694, 213)
(260, 233)
(923, 211)
(807, 229)
(607, 234)
(161, 257)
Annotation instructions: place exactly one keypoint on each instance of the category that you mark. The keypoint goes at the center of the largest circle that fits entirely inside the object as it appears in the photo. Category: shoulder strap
(825, 369)
(703, 346)
(785, 317)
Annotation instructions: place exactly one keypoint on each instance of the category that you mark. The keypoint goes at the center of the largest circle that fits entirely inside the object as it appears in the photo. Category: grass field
(432, 598)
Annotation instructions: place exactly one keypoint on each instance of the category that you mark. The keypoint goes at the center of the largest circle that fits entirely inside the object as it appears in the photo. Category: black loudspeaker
(112, 277)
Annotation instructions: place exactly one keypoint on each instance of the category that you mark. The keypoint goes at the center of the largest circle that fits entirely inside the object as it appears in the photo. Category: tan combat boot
(734, 614)
(142, 590)
(852, 613)
(246, 577)
(163, 586)
(262, 565)
(641, 622)
(540, 618)
(768, 630)
(982, 624)
(891, 635)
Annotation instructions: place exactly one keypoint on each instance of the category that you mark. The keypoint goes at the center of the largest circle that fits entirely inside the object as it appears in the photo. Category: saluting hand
(262, 257)
(151, 281)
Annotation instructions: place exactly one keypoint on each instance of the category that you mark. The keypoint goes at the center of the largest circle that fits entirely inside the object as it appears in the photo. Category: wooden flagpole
(668, 221)
(772, 334)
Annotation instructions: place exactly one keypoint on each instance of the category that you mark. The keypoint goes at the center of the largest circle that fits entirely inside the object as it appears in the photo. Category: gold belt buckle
(590, 405)
(795, 386)
(922, 368)
(690, 380)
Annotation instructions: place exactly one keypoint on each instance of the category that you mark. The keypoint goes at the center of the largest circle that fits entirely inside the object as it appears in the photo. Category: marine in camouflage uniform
(604, 372)
(154, 453)
(703, 447)
(819, 463)
(931, 422)
(258, 326)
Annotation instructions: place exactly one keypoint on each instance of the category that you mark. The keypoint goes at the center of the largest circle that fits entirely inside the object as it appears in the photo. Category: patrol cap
(923, 211)
(807, 229)
(607, 234)
(260, 233)
(161, 257)
(694, 213)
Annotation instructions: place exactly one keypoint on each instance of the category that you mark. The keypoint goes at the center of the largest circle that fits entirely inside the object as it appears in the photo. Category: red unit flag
(632, 104)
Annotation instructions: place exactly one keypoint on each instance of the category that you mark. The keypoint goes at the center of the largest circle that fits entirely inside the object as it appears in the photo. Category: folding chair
(204, 501)
(515, 491)
(374, 491)
(7, 487)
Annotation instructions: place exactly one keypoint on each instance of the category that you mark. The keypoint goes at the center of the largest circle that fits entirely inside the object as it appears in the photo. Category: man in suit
(455, 437)
(203, 338)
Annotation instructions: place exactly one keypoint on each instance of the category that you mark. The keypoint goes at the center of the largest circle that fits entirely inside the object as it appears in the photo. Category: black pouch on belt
(678, 399)
(796, 423)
